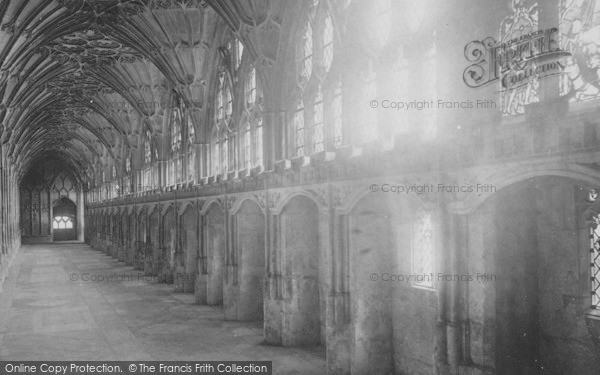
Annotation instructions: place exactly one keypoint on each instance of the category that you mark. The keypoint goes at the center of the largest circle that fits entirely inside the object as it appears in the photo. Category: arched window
(223, 117)
(252, 123)
(316, 126)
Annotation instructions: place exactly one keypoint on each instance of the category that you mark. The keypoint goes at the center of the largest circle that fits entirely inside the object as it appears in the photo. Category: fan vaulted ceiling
(84, 80)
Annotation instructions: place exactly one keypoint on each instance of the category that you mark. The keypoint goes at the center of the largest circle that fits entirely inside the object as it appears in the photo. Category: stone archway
(529, 240)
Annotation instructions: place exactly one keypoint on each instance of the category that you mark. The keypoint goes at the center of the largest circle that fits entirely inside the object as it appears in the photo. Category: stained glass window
(595, 263)
(128, 165)
(318, 135)
(422, 251)
(522, 20)
(578, 25)
(299, 129)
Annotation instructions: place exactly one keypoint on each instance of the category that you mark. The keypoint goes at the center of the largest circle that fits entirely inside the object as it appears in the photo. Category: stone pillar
(338, 301)
(272, 290)
(231, 292)
(201, 287)
(80, 216)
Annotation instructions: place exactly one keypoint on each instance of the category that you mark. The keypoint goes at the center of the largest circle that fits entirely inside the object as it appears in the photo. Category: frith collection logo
(516, 62)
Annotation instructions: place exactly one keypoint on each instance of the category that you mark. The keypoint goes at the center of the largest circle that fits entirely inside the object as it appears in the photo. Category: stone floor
(44, 314)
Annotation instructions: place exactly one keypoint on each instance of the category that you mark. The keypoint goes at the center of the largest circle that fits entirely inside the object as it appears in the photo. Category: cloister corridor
(45, 313)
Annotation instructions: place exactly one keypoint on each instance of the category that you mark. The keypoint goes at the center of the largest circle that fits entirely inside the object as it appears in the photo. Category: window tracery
(62, 222)
(315, 123)
(252, 121)
(578, 25)
(223, 118)
(175, 165)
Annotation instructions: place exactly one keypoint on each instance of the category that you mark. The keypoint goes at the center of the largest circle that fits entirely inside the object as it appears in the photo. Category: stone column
(80, 216)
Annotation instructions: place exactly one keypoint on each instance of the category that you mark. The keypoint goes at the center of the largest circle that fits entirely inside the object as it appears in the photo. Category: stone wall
(10, 237)
(301, 259)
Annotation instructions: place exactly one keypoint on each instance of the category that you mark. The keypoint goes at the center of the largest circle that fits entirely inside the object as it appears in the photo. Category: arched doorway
(64, 220)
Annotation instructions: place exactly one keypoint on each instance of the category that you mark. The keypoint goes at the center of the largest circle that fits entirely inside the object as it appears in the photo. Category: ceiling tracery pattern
(85, 80)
